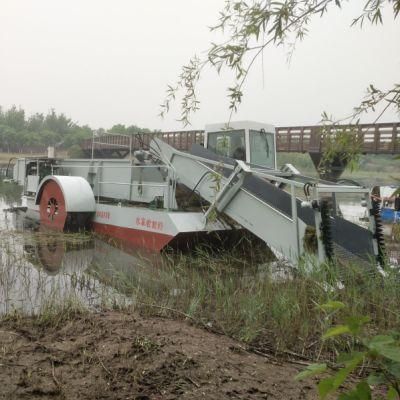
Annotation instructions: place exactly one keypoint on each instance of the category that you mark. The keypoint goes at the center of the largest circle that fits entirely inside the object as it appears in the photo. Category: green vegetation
(19, 133)
(248, 28)
(396, 233)
(39, 130)
(342, 147)
(75, 151)
(10, 192)
(270, 307)
(243, 293)
(371, 169)
(380, 352)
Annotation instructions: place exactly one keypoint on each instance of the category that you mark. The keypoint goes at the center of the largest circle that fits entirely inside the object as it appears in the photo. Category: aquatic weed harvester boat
(164, 197)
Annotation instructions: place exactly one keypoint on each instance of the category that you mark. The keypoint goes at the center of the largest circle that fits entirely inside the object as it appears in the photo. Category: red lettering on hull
(103, 214)
(154, 241)
(150, 223)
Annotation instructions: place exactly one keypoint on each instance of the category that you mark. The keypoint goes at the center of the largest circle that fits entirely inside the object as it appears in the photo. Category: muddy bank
(117, 355)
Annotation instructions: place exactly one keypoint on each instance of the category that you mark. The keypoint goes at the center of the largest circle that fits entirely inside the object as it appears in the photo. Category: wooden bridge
(381, 138)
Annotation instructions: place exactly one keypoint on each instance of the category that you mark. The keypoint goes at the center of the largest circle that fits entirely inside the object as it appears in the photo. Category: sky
(104, 62)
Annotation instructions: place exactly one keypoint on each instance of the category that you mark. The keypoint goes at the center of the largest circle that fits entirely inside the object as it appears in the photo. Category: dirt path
(119, 356)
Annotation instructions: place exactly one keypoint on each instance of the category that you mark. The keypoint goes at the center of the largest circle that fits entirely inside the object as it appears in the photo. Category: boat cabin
(248, 141)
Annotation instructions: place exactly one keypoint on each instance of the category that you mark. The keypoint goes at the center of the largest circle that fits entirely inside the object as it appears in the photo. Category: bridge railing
(295, 139)
(182, 140)
(382, 138)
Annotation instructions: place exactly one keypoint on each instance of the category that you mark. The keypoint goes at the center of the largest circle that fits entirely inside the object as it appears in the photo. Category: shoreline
(120, 355)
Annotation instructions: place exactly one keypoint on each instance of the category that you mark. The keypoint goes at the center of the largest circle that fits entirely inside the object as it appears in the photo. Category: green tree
(31, 138)
(119, 128)
(20, 133)
(7, 137)
(35, 123)
(57, 123)
(77, 135)
(15, 118)
(128, 130)
(249, 27)
(49, 138)
(132, 129)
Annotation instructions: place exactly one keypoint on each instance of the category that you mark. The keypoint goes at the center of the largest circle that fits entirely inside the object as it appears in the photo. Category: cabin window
(262, 148)
(228, 144)
(31, 168)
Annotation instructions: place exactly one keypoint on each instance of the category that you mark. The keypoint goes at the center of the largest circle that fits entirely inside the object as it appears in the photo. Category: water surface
(40, 269)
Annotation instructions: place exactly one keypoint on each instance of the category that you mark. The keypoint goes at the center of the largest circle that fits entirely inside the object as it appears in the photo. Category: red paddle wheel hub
(53, 213)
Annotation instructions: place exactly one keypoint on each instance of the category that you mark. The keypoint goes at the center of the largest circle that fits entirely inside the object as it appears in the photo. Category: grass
(243, 293)
(262, 309)
(5, 157)
(247, 296)
(265, 305)
(10, 192)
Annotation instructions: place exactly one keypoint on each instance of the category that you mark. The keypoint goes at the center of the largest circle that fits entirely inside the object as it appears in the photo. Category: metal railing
(182, 140)
(169, 193)
(383, 138)
(380, 138)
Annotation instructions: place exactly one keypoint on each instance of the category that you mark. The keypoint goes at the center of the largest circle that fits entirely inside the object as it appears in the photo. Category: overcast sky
(103, 62)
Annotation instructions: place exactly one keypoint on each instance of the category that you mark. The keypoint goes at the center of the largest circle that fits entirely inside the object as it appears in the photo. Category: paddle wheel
(52, 206)
(65, 203)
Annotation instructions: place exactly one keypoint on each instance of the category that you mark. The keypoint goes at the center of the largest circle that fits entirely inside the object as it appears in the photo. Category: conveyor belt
(351, 237)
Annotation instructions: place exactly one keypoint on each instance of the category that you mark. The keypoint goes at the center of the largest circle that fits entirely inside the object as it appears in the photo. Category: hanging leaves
(251, 26)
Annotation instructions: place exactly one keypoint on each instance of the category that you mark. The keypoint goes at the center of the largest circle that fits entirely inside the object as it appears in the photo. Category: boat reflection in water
(41, 269)
(84, 257)
(56, 254)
